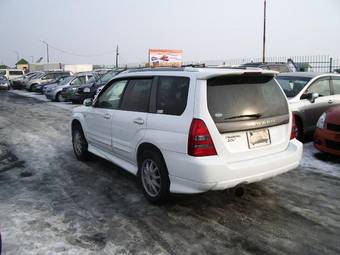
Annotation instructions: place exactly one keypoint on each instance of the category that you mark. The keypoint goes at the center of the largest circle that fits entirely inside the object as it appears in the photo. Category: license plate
(258, 138)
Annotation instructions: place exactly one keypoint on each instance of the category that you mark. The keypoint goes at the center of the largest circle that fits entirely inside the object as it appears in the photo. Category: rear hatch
(251, 115)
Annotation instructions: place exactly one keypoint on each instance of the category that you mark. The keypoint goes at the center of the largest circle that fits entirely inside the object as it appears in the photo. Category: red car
(327, 133)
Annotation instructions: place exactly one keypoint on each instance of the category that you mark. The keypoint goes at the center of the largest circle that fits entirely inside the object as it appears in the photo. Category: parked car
(54, 92)
(4, 83)
(11, 73)
(327, 132)
(186, 131)
(280, 67)
(68, 92)
(89, 89)
(40, 87)
(309, 95)
(47, 77)
(20, 82)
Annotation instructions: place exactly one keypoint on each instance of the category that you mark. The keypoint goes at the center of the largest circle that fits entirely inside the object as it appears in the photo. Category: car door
(336, 90)
(313, 110)
(130, 120)
(99, 117)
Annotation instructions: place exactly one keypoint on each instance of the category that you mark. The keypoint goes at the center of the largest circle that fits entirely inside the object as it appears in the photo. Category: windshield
(36, 76)
(66, 80)
(241, 98)
(107, 77)
(292, 85)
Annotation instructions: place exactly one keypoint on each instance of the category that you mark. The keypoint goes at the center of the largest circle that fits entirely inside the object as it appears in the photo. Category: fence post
(330, 64)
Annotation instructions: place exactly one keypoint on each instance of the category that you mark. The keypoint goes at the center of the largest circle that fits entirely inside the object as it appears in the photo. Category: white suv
(190, 130)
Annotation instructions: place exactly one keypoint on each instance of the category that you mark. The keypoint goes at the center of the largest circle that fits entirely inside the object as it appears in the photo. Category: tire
(31, 87)
(80, 145)
(59, 97)
(154, 177)
(299, 135)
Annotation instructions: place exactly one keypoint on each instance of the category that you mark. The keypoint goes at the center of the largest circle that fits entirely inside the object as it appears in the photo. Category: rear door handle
(330, 101)
(139, 121)
(107, 116)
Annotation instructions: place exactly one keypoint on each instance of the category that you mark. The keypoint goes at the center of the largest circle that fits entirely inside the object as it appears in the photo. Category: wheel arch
(147, 146)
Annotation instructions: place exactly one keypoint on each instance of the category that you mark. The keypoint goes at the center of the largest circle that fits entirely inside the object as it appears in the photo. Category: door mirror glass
(88, 102)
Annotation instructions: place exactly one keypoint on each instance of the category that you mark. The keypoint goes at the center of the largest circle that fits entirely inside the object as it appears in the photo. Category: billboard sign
(163, 57)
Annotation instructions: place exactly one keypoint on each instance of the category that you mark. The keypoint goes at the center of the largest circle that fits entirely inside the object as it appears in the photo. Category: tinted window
(336, 84)
(321, 86)
(292, 85)
(137, 95)
(238, 98)
(110, 98)
(172, 95)
(78, 80)
(15, 72)
(48, 76)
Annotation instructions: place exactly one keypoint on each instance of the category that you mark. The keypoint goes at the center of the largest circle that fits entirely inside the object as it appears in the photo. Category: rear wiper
(256, 115)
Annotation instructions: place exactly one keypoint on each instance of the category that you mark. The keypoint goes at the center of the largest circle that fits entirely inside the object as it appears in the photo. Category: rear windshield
(15, 72)
(240, 98)
(292, 85)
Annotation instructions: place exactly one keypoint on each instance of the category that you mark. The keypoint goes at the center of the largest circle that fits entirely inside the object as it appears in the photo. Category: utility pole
(264, 32)
(117, 54)
(17, 53)
(48, 55)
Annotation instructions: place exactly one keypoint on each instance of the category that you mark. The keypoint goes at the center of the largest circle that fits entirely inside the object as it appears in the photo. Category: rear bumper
(320, 141)
(212, 173)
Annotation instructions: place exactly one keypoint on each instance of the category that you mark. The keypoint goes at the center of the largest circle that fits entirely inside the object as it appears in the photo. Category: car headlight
(321, 121)
(87, 90)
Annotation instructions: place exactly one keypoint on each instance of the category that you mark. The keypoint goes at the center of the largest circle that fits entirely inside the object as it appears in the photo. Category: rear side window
(241, 98)
(137, 95)
(336, 85)
(172, 95)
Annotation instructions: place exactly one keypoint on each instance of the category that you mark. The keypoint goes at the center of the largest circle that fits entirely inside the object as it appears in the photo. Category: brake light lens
(200, 143)
(294, 131)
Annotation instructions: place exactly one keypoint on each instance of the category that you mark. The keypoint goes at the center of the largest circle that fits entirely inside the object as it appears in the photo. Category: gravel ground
(50, 203)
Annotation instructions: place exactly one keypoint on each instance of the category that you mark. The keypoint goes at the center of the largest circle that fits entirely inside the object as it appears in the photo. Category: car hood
(333, 115)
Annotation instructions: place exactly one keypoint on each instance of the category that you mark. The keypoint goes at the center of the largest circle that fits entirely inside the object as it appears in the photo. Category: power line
(77, 54)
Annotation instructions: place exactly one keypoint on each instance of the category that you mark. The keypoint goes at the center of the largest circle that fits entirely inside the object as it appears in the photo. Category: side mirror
(88, 102)
(310, 96)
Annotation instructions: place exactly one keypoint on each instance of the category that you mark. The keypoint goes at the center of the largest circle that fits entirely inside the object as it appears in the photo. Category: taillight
(200, 143)
(294, 131)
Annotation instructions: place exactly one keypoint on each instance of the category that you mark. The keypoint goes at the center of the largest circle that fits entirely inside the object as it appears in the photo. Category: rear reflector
(200, 143)
(294, 131)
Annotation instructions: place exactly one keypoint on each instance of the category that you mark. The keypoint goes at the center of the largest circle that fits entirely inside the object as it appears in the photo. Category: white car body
(12, 73)
(117, 135)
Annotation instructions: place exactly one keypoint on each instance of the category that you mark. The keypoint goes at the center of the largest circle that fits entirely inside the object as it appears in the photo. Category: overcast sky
(205, 30)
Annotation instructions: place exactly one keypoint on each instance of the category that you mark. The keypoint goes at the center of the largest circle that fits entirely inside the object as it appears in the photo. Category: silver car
(47, 77)
(309, 95)
(53, 91)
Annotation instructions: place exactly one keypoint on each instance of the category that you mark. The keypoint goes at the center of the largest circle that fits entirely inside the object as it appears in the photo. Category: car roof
(306, 74)
(199, 73)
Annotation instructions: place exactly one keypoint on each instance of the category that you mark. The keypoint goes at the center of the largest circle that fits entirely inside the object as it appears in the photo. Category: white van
(11, 73)
(189, 130)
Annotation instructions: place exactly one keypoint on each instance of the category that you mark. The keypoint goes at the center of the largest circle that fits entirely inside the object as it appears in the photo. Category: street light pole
(264, 32)
(47, 53)
(117, 54)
